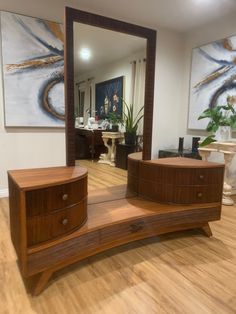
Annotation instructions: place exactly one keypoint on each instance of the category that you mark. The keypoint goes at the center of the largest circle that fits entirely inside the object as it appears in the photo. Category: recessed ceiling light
(85, 54)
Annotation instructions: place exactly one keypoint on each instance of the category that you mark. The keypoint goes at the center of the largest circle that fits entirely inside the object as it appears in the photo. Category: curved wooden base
(114, 223)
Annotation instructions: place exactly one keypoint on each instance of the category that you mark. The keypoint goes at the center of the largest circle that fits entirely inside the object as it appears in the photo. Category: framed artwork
(33, 71)
(108, 97)
(213, 78)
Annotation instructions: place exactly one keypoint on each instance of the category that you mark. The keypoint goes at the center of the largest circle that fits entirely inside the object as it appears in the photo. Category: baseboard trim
(4, 193)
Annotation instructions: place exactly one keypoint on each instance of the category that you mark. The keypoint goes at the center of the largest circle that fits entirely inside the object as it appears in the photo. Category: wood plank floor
(101, 176)
(183, 272)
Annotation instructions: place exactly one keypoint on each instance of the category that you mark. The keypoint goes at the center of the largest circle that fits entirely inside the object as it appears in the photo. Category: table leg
(42, 281)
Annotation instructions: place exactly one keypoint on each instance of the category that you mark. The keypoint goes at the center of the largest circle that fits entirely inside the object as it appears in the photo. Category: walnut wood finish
(73, 15)
(46, 247)
(45, 204)
(176, 180)
(181, 272)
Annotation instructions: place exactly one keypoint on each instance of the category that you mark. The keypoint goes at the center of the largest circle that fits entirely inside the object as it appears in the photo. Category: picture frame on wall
(212, 78)
(108, 98)
(33, 71)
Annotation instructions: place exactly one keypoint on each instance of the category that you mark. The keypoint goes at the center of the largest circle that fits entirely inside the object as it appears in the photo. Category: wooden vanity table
(48, 210)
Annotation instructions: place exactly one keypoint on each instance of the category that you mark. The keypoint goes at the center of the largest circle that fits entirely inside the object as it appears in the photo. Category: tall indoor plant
(131, 122)
(220, 117)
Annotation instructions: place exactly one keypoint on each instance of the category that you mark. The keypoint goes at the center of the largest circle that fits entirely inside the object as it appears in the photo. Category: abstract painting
(213, 78)
(33, 71)
(109, 98)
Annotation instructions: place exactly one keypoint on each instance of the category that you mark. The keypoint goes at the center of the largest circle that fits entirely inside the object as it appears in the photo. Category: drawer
(197, 194)
(47, 227)
(199, 176)
(117, 233)
(181, 176)
(42, 201)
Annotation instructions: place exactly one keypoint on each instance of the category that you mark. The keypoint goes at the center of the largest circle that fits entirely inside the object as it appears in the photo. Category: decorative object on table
(165, 153)
(115, 121)
(213, 73)
(109, 97)
(222, 120)
(195, 144)
(181, 145)
(131, 122)
(33, 71)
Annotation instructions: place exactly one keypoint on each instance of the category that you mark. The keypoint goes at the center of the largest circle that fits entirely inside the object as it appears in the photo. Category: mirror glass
(96, 90)
(109, 67)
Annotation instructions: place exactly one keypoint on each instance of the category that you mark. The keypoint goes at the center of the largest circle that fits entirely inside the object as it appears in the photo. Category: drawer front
(47, 227)
(197, 194)
(46, 200)
(199, 176)
(181, 176)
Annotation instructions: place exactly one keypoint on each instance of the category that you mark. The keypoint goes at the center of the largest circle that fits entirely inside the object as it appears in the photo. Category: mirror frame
(74, 15)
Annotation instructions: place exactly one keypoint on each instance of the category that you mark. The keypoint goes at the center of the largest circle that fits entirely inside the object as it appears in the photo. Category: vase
(224, 133)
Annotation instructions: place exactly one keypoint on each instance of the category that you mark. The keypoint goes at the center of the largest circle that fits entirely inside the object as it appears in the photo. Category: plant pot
(224, 133)
(130, 138)
(115, 128)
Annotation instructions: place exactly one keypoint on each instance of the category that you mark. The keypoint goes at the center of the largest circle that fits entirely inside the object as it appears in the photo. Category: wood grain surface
(183, 272)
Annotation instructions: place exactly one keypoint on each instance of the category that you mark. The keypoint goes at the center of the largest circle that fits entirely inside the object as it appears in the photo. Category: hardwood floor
(182, 272)
(101, 176)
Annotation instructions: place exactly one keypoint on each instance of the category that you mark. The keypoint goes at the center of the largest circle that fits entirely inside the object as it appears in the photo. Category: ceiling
(106, 47)
(179, 15)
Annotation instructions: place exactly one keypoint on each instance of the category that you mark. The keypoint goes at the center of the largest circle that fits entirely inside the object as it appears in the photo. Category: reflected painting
(33, 71)
(213, 78)
(109, 98)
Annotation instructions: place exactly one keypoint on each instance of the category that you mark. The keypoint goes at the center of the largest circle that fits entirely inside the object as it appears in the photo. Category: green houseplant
(220, 116)
(131, 122)
(115, 120)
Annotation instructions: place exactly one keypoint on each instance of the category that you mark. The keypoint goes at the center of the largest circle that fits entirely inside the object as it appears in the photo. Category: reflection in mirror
(101, 55)
(109, 67)
(87, 96)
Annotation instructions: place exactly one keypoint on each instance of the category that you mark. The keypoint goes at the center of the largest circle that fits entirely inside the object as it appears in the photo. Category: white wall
(168, 91)
(28, 147)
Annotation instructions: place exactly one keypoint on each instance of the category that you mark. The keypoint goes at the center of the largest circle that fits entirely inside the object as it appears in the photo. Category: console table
(228, 149)
(88, 143)
(109, 157)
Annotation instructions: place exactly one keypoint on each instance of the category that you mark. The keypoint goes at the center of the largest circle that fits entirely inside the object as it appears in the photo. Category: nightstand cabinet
(45, 204)
(122, 152)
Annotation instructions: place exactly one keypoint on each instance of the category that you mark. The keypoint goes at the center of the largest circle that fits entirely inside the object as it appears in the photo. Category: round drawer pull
(201, 176)
(199, 195)
(65, 197)
(64, 221)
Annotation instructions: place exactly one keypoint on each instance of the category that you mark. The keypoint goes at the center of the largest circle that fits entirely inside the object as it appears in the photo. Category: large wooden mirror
(72, 16)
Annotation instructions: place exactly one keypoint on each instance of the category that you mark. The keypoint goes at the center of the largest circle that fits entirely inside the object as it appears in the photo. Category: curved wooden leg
(207, 230)
(41, 282)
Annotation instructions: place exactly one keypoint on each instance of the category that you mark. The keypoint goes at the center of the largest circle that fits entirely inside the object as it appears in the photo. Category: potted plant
(131, 122)
(222, 118)
(115, 120)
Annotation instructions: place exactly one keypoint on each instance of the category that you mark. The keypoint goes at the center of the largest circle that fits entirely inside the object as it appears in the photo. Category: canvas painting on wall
(108, 97)
(213, 78)
(33, 71)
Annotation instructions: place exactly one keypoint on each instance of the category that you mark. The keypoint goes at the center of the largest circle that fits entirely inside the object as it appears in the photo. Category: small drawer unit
(178, 180)
(45, 204)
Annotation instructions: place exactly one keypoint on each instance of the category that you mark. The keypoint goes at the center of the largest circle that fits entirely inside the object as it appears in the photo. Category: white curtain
(138, 86)
(87, 86)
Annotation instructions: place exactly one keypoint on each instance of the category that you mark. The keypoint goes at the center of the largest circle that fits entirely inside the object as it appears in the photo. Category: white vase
(224, 133)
